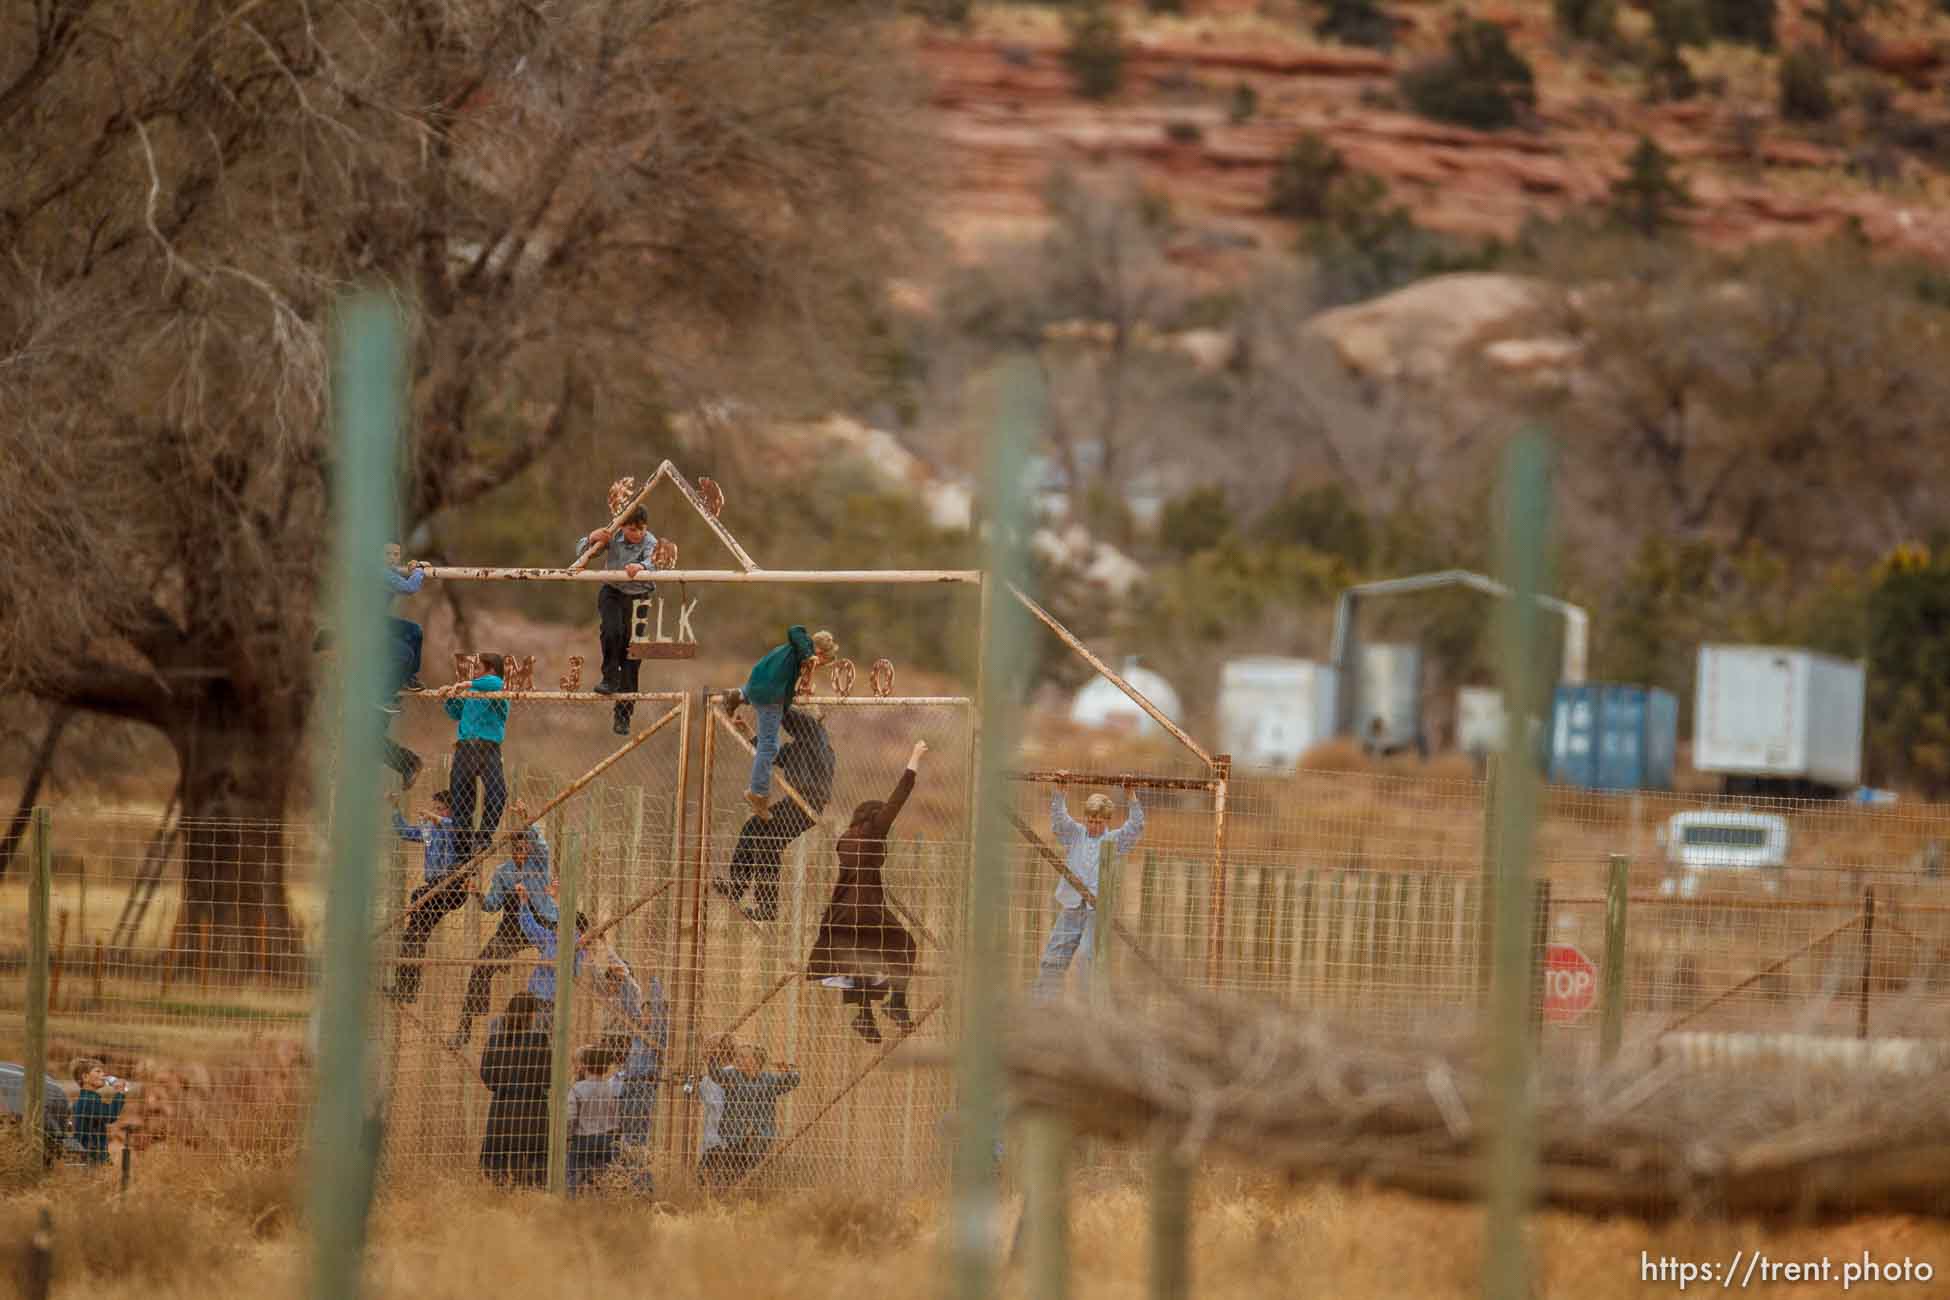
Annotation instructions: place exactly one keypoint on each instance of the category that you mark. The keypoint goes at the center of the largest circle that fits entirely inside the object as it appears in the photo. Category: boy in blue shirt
(477, 755)
(406, 636)
(541, 935)
(528, 865)
(92, 1115)
(751, 1105)
(430, 903)
(629, 548)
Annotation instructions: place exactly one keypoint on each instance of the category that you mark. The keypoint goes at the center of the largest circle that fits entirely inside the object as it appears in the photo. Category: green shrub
(1357, 22)
(1325, 519)
(1586, 20)
(1742, 22)
(1805, 93)
(1095, 54)
(1197, 521)
(951, 13)
(1303, 179)
(1481, 82)
(1680, 24)
(1649, 197)
(1368, 245)
(1243, 105)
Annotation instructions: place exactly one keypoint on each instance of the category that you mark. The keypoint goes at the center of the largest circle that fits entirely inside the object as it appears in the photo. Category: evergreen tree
(1586, 20)
(1481, 82)
(1649, 197)
(1095, 54)
(1909, 669)
(1304, 179)
(1805, 93)
(1357, 22)
(1742, 22)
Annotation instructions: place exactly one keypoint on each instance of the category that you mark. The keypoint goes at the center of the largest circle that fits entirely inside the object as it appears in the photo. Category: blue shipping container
(1605, 736)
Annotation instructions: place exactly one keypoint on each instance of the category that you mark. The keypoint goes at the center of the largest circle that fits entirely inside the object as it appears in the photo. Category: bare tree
(570, 200)
(1088, 299)
(1786, 400)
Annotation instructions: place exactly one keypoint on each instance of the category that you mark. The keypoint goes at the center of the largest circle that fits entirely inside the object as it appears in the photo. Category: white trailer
(1273, 710)
(1480, 720)
(1773, 719)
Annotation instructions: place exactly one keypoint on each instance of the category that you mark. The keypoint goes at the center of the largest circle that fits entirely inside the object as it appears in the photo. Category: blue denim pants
(1076, 928)
(770, 717)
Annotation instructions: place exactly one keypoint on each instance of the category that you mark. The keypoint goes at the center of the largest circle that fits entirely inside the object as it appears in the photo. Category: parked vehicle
(1776, 721)
(56, 1118)
(1709, 840)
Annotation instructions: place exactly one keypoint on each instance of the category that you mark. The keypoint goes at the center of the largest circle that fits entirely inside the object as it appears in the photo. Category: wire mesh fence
(179, 946)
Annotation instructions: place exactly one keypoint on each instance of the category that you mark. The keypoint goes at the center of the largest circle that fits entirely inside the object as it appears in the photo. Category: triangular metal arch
(671, 472)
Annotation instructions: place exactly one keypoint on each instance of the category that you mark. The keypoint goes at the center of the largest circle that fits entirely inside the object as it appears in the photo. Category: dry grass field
(203, 1234)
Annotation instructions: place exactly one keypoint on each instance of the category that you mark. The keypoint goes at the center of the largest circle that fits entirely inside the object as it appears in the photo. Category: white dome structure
(1101, 704)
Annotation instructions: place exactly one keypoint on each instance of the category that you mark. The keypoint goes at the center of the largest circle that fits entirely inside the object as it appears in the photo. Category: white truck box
(1273, 710)
(1480, 720)
(1390, 688)
(1772, 711)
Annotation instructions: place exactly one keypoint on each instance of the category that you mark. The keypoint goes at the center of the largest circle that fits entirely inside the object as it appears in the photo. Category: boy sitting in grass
(92, 1115)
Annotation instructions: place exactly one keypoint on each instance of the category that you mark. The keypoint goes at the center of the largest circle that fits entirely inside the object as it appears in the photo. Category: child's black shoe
(863, 1025)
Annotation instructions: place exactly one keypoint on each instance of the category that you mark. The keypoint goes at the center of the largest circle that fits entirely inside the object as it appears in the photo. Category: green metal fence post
(560, 1074)
(1105, 921)
(1045, 1206)
(1524, 537)
(34, 1099)
(1611, 1030)
(1171, 1225)
(368, 384)
(1003, 671)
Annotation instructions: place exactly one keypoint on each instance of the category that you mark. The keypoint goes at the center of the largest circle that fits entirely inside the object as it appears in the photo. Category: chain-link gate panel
(609, 810)
(824, 1108)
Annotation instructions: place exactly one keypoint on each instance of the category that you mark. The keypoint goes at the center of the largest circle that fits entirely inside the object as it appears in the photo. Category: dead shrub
(265, 1197)
(156, 1236)
(20, 1163)
(1341, 755)
(858, 1224)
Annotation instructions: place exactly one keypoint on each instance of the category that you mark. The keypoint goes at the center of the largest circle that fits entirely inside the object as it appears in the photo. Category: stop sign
(1570, 983)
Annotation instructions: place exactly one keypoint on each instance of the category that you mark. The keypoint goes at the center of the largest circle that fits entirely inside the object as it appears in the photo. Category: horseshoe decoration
(843, 673)
(620, 493)
(711, 495)
(881, 678)
(804, 686)
(664, 554)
